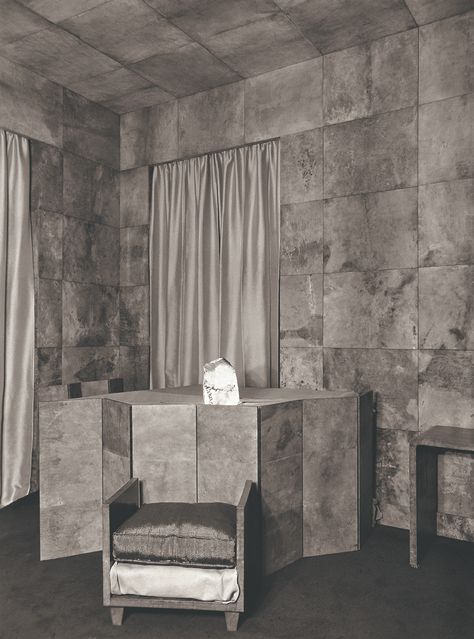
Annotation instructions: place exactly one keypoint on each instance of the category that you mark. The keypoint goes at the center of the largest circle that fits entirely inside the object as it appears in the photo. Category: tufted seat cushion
(182, 534)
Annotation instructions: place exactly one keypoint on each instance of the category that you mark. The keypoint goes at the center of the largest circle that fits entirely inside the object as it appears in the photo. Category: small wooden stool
(424, 451)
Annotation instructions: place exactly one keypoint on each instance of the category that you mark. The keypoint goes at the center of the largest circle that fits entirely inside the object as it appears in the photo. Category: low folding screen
(214, 266)
(16, 319)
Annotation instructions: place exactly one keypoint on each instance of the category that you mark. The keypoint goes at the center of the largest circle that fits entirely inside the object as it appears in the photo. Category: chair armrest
(125, 493)
(115, 511)
(245, 495)
(248, 541)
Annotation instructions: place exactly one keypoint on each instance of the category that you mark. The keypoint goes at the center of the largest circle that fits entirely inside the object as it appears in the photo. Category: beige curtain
(214, 266)
(16, 319)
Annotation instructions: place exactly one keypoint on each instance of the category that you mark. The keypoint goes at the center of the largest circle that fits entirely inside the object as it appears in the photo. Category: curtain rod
(201, 155)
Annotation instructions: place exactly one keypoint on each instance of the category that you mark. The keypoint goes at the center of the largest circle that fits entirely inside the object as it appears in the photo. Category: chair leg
(232, 620)
(117, 615)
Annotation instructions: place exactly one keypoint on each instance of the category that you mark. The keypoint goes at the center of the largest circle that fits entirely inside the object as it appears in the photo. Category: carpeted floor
(371, 594)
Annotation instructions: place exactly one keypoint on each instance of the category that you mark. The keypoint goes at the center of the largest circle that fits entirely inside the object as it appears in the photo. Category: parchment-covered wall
(377, 273)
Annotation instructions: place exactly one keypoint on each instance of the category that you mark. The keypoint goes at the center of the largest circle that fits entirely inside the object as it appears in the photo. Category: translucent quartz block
(219, 384)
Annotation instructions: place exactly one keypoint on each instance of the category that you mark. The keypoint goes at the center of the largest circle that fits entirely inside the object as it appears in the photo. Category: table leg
(423, 500)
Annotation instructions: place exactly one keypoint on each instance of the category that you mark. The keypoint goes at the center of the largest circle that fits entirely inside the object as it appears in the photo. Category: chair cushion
(180, 534)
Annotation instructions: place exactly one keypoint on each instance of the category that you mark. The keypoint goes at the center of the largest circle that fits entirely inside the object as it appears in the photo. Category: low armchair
(198, 556)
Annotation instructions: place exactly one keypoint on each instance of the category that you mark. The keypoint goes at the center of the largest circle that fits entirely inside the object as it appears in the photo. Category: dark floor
(371, 594)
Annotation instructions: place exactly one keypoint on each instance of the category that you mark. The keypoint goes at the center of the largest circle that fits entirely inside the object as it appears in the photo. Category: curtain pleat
(16, 319)
(214, 266)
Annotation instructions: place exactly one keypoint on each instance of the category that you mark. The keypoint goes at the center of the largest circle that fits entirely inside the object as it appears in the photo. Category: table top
(193, 395)
(446, 437)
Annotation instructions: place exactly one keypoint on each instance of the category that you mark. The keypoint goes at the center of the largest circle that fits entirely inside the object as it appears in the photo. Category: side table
(424, 451)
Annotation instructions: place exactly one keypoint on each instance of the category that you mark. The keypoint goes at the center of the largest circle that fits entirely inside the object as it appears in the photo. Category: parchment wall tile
(333, 24)
(149, 136)
(113, 30)
(55, 12)
(446, 223)
(52, 393)
(90, 315)
(212, 120)
(134, 256)
(456, 527)
(48, 366)
(446, 380)
(30, 104)
(141, 99)
(205, 18)
(347, 77)
(371, 78)
(425, 11)
(18, 21)
(455, 478)
(301, 168)
(108, 86)
(373, 309)
(301, 238)
(446, 140)
(77, 186)
(78, 241)
(48, 244)
(135, 367)
(82, 364)
(301, 368)
(185, 71)
(284, 101)
(106, 254)
(373, 154)
(447, 307)
(134, 313)
(90, 190)
(134, 197)
(46, 177)
(58, 56)
(49, 313)
(301, 311)
(371, 232)
(446, 50)
(261, 45)
(91, 252)
(90, 363)
(90, 130)
(394, 72)
(106, 195)
(392, 374)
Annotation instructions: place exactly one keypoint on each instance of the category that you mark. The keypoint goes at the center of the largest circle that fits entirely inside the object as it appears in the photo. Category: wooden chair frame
(127, 500)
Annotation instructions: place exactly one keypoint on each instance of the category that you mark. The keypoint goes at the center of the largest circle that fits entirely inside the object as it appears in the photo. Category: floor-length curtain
(16, 319)
(214, 266)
